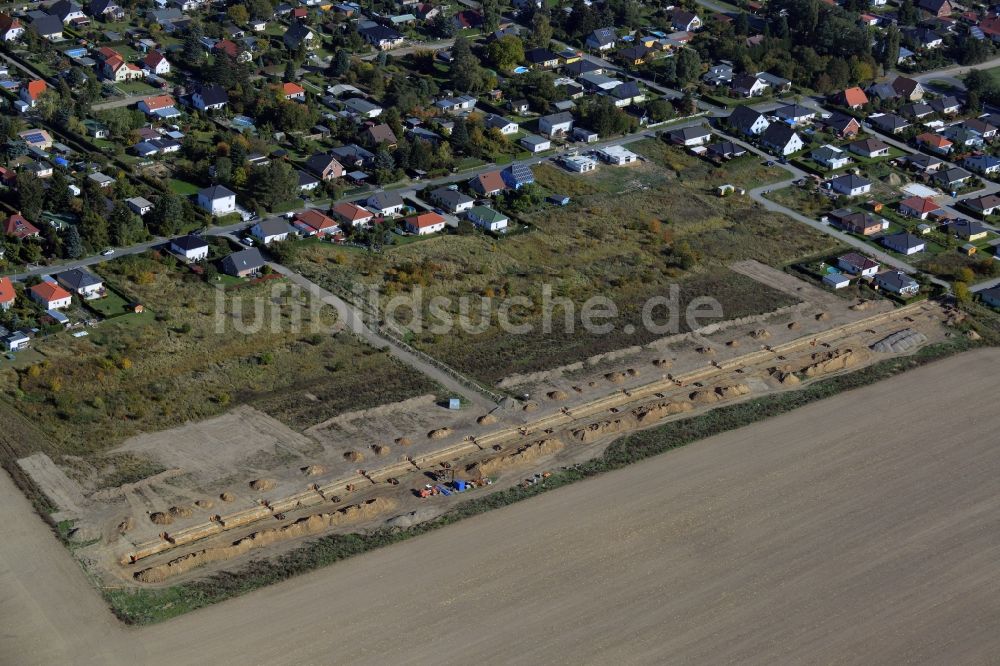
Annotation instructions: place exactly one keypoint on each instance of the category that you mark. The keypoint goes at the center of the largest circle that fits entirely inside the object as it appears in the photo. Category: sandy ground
(831, 534)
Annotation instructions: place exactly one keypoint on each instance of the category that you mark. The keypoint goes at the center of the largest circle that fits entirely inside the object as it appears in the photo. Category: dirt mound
(161, 518)
(404, 441)
(760, 334)
(600, 429)
(705, 350)
(793, 326)
(313, 470)
(380, 449)
(732, 391)
(486, 419)
(530, 407)
(900, 341)
(826, 362)
(204, 504)
(705, 397)
(353, 456)
(862, 306)
(308, 526)
(181, 511)
(525, 454)
(615, 377)
(261, 485)
(787, 378)
(662, 362)
(972, 335)
(227, 497)
(632, 372)
(126, 525)
(733, 343)
(557, 395)
(439, 433)
(660, 410)
(822, 316)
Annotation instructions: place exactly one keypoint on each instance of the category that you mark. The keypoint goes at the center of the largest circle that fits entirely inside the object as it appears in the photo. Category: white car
(107, 253)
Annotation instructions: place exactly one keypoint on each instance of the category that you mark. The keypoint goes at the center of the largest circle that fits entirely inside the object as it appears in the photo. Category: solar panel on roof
(35, 137)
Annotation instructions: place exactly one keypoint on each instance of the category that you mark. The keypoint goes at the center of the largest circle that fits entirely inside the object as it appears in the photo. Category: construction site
(244, 485)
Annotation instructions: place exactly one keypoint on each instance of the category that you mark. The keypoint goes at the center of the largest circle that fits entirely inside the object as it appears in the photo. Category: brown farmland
(861, 529)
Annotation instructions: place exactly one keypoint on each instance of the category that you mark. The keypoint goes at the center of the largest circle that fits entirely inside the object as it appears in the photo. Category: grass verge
(150, 606)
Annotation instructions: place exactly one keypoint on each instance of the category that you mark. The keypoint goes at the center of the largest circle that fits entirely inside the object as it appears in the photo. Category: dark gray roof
(383, 200)
(214, 192)
(189, 242)
(450, 198)
(77, 278)
(249, 259)
(47, 25)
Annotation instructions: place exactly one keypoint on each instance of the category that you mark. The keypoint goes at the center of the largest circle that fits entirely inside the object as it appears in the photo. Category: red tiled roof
(19, 227)
(6, 290)
(154, 58)
(935, 140)
(292, 89)
(491, 181)
(921, 204)
(49, 291)
(36, 88)
(855, 97)
(159, 102)
(424, 220)
(315, 220)
(350, 212)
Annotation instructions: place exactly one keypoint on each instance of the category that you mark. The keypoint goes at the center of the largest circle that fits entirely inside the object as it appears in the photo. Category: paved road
(830, 533)
(953, 73)
(119, 102)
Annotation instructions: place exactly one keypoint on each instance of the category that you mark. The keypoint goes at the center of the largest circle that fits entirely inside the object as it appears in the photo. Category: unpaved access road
(863, 529)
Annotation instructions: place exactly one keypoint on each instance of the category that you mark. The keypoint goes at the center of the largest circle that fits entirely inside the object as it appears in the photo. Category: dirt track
(864, 529)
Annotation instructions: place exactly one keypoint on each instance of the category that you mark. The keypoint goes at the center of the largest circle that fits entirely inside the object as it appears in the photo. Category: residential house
(106, 10)
(67, 11)
(616, 155)
(38, 139)
(918, 207)
(633, 56)
(855, 222)
(467, 19)
(830, 157)
(967, 230)
(360, 107)
(116, 69)
(209, 98)
(889, 123)
(504, 126)
(156, 63)
(963, 138)
(579, 163)
(745, 85)
(81, 282)
(10, 28)
(718, 75)
(534, 143)
(352, 214)
(217, 200)
(314, 223)
(904, 243)
(293, 91)
(488, 184)
(602, 39)
(517, 175)
(556, 124)
(7, 293)
(381, 37)
(981, 127)
(245, 263)
(423, 224)
(778, 84)
(946, 106)
(386, 204)
(162, 106)
(519, 106)
(584, 135)
(852, 98)
(325, 166)
(48, 27)
(984, 164)
(748, 121)
(922, 163)
(951, 178)
(685, 21)
(795, 114)
(908, 89)
(939, 8)
(139, 205)
(541, 58)
(32, 91)
(849, 185)
(269, 231)
(782, 139)
(726, 150)
(934, 143)
(50, 295)
(298, 34)
(190, 248)
(916, 110)
(353, 155)
(18, 226)
(869, 148)
(488, 219)
(456, 105)
(699, 135)
(987, 204)
(858, 264)
(381, 135)
(898, 282)
(841, 124)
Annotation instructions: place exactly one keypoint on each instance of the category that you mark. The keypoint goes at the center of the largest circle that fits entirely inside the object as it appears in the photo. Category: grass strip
(146, 606)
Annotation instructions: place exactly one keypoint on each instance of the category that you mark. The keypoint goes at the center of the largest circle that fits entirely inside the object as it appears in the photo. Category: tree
(57, 196)
(274, 183)
(124, 226)
(30, 196)
(166, 217)
(465, 74)
(193, 53)
(238, 14)
(962, 292)
(889, 54)
(742, 26)
(506, 53)
(491, 15)
(340, 64)
(443, 26)
(291, 71)
(688, 66)
(74, 244)
(541, 30)
(459, 138)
